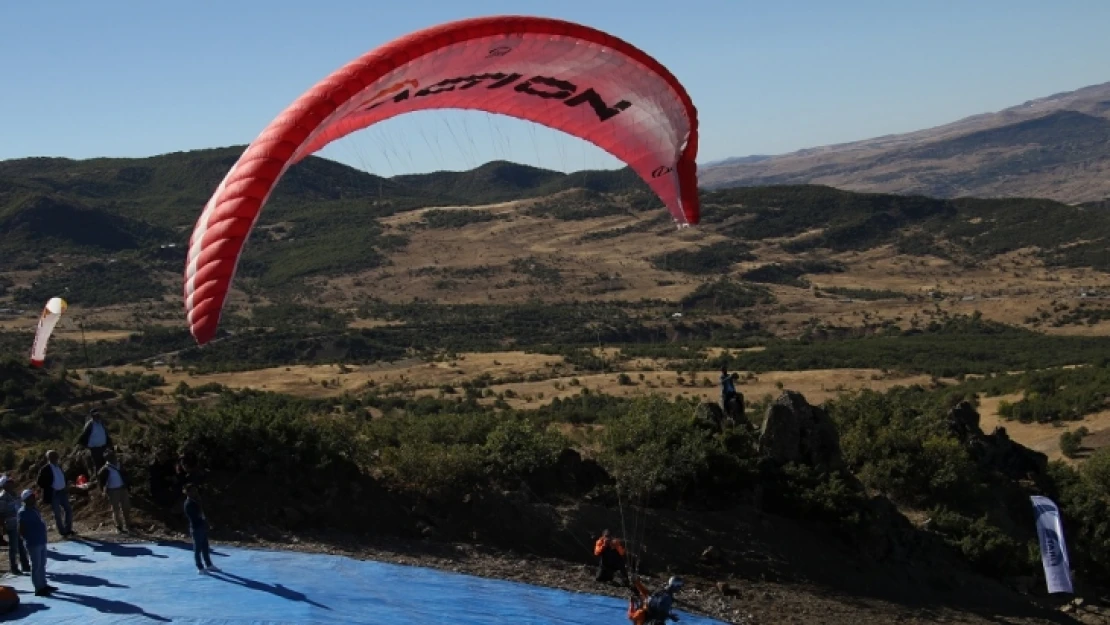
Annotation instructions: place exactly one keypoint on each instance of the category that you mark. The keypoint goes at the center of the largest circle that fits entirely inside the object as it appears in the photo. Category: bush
(897, 444)
(656, 448)
(518, 448)
(1071, 443)
(433, 470)
(986, 547)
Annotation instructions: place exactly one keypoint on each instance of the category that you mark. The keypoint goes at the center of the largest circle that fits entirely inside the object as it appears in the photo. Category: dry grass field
(1012, 288)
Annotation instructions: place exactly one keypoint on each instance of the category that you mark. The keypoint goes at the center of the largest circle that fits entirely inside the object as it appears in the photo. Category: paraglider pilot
(610, 553)
(653, 608)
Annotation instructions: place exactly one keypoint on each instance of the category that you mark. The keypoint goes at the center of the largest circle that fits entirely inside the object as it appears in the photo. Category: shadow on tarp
(78, 579)
(254, 585)
(118, 550)
(106, 606)
(53, 554)
(176, 544)
(277, 590)
(23, 611)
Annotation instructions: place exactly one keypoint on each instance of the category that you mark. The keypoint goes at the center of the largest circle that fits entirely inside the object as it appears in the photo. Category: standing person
(114, 483)
(95, 437)
(52, 481)
(728, 389)
(33, 531)
(9, 512)
(198, 529)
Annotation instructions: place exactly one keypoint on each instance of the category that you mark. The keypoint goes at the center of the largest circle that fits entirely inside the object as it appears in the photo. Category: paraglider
(49, 318)
(566, 76)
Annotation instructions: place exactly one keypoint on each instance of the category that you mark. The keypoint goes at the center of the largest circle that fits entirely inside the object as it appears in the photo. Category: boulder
(795, 431)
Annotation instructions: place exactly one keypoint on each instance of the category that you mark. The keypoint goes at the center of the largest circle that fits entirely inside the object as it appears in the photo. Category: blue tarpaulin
(101, 583)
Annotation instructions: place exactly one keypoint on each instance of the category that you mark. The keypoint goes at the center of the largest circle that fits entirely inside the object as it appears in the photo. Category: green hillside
(323, 218)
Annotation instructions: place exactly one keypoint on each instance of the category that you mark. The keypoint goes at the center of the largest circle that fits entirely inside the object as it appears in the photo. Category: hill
(463, 363)
(109, 234)
(1055, 147)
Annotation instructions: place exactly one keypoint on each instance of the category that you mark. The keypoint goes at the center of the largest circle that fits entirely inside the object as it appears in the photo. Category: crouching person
(610, 554)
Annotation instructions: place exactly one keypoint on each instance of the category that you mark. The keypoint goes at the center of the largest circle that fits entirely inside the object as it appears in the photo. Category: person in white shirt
(95, 437)
(52, 481)
(113, 482)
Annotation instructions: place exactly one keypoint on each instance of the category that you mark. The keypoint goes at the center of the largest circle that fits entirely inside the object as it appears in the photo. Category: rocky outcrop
(995, 451)
(711, 414)
(795, 431)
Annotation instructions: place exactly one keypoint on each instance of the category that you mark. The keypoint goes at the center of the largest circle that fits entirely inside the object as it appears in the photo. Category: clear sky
(143, 77)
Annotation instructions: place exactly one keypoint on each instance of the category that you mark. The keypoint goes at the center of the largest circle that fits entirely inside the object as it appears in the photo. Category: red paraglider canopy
(566, 76)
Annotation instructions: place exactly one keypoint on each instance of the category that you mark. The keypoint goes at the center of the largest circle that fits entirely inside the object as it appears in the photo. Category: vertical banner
(1054, 552)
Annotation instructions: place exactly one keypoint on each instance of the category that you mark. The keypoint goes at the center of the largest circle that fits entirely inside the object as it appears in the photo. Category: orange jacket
(638, 606)
(604, 542)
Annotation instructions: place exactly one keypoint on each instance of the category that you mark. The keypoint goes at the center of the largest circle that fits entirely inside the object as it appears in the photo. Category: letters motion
(566, 76)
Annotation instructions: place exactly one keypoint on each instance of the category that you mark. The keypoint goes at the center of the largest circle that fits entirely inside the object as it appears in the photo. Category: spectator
(52, 481)
(114, 483)
(33, 531)
(198, 529)
(96, 438)
(9, 512)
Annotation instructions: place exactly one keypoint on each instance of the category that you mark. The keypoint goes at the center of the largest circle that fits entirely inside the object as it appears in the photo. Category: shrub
(655, 447)
(519, 448)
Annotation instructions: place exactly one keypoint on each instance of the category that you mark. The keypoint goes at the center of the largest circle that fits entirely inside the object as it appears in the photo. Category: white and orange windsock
(51, 314)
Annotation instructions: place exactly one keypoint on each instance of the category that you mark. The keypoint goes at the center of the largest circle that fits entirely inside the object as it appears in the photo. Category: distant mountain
(1056, 147)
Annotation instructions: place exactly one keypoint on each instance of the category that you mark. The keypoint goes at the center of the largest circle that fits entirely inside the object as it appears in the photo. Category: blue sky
(137, 78)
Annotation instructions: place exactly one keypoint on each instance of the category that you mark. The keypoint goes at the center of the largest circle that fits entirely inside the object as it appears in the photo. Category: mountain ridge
(1064, 164)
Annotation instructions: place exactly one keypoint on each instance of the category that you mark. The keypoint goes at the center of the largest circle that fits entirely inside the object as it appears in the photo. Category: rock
(577, 475)
(709, 413)
(963, 421)
(725, 589)
(795, 431)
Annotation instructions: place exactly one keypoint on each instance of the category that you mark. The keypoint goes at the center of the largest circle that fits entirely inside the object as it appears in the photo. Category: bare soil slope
(1051, 147)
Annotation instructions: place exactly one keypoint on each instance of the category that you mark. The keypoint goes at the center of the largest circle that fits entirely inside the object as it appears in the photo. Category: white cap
(26, 494)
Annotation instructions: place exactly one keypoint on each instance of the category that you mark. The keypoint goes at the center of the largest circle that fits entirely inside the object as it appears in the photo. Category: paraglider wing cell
(51, 313)
(559, 74)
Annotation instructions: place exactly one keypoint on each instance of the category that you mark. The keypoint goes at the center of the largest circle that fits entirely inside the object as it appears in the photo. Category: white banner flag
(1054, 552)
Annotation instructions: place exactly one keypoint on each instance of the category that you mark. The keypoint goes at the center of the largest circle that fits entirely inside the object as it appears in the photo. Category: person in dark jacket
(96, 439)
(113, 483)
(33, 531)
(52, 481)
(9, 513)
(198, 529)
(610, 558)
(654, 608)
